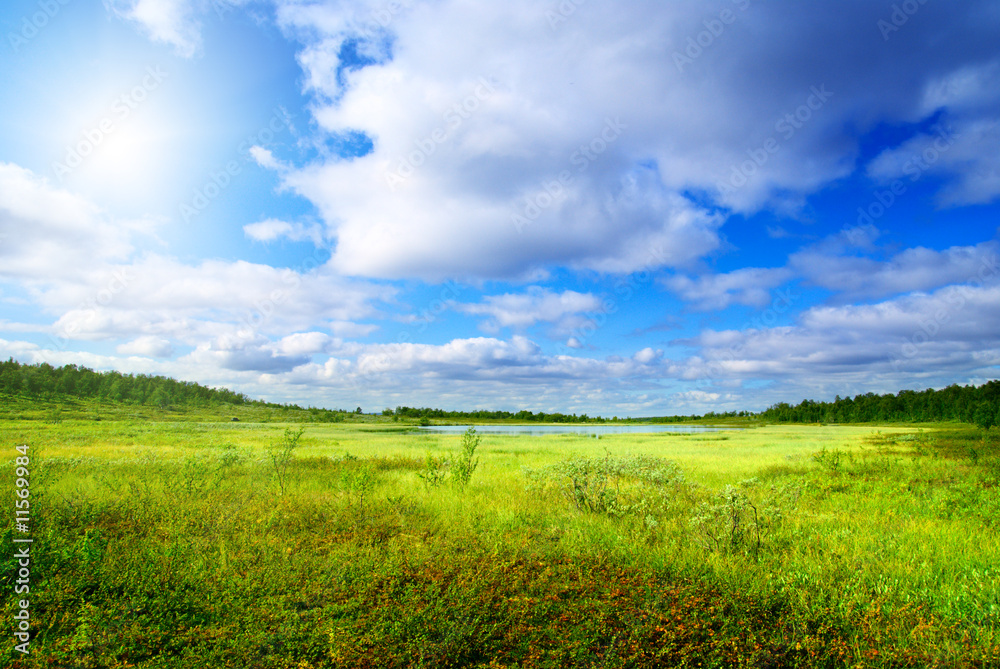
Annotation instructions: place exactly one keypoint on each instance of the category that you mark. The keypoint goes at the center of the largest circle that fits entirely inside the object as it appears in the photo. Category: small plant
(54, 415)
(583, 482)
(829, 459)
(434, 472)
(728, 522)
(281, 455)
(357, 484)
(464, 463)
(596, 485)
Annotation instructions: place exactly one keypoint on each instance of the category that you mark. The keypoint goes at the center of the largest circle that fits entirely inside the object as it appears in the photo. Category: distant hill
(43, 381)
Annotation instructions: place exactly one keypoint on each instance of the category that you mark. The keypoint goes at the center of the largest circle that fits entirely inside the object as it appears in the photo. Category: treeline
(528, 416)
(711, 415)
(967, 404)
(47, 382)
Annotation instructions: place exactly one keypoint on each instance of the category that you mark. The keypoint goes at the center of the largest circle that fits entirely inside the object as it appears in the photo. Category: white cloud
(159, 296)
(476, 370)
(966, 154)
(268, 230)
(150, 347)
(971, 87)
(564, 310)
(81, 266)
(916, 269)
(925, 338)
(647, 356)
(49, 234)
(750, 286)
(455, 160)
(272, 229)
(265, 158)
(172, 22)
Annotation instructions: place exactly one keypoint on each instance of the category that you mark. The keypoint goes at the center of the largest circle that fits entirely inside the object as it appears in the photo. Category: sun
(118, 147)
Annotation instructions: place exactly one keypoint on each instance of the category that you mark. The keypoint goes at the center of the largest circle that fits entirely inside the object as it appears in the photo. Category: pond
(542, 430)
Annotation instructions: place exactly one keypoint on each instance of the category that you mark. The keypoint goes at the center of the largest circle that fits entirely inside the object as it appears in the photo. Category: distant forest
(44, 381)
(968, 404)
(482, 414)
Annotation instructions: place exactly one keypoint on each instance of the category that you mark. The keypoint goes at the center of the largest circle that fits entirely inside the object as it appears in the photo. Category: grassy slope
(167, 543)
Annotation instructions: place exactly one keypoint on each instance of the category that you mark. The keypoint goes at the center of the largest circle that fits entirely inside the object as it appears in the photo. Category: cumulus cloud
(172, 22)
(472, 136)
(966, 154)
(160, 296)
(750, 286)
(272, 229)
(151, 347)
(477, 368)
(84, 267)
(49, 234)
(265, 158)
(927, 337)
(565, 310)
(964, 147)
(501, 155)
(856, 277)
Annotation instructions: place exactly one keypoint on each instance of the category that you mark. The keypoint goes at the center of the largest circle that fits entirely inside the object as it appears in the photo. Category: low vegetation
(164, 543)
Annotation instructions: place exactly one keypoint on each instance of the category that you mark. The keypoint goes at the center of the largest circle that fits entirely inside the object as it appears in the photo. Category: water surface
(542, 430)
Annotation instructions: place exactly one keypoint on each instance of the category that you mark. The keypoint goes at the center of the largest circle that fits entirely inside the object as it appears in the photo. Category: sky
(620, 209)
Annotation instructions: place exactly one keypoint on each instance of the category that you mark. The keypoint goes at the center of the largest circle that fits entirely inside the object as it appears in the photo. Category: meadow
(185, 539)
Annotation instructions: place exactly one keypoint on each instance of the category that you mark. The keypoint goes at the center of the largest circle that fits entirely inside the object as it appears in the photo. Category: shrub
(728, 522)
(281, 455)
(829, 459)
(615, 486)
(434, 472)
(464, 463)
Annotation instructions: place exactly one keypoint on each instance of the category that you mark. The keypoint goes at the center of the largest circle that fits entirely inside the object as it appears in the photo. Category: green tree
(984, 416)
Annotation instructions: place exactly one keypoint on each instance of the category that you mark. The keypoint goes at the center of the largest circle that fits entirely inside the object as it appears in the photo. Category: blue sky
(612, 208)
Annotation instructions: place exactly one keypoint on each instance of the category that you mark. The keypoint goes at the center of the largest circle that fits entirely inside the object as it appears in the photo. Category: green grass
(169, 543)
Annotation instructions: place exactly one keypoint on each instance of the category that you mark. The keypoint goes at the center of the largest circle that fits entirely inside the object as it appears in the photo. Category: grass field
(161, 542)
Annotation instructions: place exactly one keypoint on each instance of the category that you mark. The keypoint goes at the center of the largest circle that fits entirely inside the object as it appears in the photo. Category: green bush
(465, 463)
(615, 486)
(434, 472)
